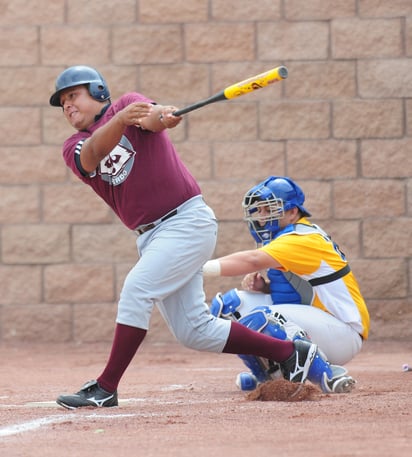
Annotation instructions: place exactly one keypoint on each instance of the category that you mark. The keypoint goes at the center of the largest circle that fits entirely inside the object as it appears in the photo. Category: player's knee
(208, 335)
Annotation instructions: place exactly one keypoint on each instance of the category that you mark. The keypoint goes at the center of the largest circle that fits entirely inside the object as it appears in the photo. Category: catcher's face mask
(265, 204)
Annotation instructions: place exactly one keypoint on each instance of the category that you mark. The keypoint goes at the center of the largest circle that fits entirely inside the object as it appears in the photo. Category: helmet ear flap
(99, 91)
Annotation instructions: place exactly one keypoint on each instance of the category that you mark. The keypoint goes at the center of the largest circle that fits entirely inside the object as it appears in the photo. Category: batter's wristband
(212, 268)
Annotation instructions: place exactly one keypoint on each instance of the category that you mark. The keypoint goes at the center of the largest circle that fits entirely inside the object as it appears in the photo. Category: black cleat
(91, 394)
(296, 367)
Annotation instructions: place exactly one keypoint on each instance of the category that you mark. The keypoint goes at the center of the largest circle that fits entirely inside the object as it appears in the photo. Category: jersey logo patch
(116, 166)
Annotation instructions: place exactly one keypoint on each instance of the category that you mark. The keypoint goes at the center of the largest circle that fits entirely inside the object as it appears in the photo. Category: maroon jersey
(142, 178)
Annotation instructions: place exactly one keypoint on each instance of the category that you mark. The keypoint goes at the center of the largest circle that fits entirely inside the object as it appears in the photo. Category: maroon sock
(243, 340)
(125, 345)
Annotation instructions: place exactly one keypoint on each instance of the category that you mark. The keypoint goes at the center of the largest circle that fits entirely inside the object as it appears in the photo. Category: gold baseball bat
(243, 87)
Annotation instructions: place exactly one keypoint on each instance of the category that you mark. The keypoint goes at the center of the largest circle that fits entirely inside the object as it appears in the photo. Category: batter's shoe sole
(91, 394)
(296, 367)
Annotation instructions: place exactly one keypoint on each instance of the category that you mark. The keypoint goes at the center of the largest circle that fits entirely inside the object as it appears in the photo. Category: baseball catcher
(309, 291)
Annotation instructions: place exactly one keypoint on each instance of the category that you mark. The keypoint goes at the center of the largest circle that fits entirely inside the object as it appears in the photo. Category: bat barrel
(256, 82)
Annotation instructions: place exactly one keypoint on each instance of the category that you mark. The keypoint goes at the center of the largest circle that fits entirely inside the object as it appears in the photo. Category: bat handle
(179, 112)
(214, 98)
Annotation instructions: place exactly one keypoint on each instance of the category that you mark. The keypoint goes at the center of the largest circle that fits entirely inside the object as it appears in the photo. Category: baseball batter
(310, 291)
(122, 151)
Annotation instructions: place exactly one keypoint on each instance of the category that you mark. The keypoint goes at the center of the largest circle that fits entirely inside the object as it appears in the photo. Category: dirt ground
(177, 402)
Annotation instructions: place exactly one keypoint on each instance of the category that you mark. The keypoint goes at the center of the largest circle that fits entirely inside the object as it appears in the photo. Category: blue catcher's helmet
(276, 195)
(76, 76)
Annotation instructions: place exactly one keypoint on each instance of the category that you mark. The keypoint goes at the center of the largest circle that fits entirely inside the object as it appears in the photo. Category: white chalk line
(53, 404)
(129, 401)
(47, 420)
(34, 424)
(126, 401)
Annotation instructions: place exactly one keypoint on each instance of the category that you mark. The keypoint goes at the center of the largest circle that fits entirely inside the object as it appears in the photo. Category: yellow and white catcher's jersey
(304, 249)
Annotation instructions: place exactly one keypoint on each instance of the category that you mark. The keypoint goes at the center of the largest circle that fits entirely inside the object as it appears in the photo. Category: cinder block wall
(341, 125)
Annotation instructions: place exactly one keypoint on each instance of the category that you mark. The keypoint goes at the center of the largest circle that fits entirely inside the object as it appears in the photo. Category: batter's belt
(146, 227)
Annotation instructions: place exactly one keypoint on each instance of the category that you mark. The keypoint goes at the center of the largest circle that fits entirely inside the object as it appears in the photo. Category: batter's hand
(167, 118)
(254, 282)
(134, 113)
(160, 118)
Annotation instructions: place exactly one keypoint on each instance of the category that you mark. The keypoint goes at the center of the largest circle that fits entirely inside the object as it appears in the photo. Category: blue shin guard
(330, 378)
(262, 320)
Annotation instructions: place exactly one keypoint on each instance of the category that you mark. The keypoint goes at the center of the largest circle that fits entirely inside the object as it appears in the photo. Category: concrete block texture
(340, 125)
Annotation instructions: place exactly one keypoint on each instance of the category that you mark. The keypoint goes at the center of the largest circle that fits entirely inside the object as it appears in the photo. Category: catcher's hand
(254, 282)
